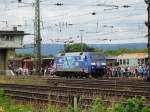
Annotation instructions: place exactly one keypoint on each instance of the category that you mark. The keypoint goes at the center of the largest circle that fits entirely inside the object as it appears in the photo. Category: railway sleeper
(44, 96)
(28, 98)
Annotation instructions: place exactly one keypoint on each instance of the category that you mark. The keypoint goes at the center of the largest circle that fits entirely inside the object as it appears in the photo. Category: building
(28, 62)
(21, 62)
(132, 59)
(9, 41)
(111, 60)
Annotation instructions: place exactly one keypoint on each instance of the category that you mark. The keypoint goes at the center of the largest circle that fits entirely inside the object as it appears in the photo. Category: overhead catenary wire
(88, 22)
(81, 15)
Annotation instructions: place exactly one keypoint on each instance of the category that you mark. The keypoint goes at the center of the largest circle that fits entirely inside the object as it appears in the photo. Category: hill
(53, 49)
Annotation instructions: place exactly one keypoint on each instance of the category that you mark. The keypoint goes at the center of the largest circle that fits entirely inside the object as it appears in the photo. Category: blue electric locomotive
(77, 64)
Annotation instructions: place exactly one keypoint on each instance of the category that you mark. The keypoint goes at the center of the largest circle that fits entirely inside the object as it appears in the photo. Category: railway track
(62, 92)
(109, 84)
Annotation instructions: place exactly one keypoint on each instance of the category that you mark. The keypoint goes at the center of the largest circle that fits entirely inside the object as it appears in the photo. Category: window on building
(124, 61)
(7, 38)
(3, 38)
(11, 38)
(139, 61)
(120, 61)
(142, 61)
(127, 61)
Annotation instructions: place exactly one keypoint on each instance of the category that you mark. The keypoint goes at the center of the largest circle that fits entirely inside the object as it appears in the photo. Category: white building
(9, 41)
(132, 59)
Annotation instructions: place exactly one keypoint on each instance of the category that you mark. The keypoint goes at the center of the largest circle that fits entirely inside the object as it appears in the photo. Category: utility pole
(81, 40)
(37, 33)
(148, 25)
(38, 37)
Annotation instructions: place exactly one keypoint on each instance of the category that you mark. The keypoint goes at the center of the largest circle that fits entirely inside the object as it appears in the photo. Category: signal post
(148, 25)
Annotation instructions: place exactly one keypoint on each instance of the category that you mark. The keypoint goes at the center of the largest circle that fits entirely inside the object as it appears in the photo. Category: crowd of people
(141, 71)
(46, 71)
(19, 70)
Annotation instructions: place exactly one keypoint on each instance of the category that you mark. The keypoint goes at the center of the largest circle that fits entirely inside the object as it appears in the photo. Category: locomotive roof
(78, 53)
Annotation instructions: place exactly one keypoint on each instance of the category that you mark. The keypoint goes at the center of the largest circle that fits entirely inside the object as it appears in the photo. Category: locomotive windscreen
(97, 57)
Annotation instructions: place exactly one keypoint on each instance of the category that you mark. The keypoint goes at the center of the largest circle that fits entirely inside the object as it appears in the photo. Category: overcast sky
(108, 25)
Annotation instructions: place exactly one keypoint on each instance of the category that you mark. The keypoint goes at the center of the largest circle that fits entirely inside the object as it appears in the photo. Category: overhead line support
(148, 25)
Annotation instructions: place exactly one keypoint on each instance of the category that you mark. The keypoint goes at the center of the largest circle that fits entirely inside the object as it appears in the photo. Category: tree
(124, 50)
(77, 48)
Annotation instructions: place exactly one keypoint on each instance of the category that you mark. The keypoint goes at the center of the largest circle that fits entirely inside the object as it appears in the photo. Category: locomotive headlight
(103, 64)
(93, 63)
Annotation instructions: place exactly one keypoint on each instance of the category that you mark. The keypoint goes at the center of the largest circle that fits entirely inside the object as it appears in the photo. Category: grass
(35, 80)
(133, 105)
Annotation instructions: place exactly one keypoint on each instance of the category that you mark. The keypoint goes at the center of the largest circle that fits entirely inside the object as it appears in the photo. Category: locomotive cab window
(85, 57)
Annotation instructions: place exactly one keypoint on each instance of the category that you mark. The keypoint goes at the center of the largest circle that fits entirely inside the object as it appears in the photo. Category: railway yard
(75, 56)
(82, 92)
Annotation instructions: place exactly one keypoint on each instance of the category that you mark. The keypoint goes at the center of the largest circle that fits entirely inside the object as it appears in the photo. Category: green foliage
(124, 50)
(71, 109)
(117, 52)
(47, 56)
(6, 106)
(118, 107)
(133, 105)
(77, 48)
(146, 109)
(98, 106)
(130, 107)
(4, 101)
(53, 109)
(20, 108)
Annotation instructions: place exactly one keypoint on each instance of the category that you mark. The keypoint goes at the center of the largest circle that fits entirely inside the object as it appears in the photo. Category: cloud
(56, 19)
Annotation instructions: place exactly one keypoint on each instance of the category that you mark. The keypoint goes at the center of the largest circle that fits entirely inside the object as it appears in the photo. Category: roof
(16, 59)
(50, 58)
(111, 57)
(78, 53)
(133, 56)
(12, 32)
(20, 59)
(27, 59)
